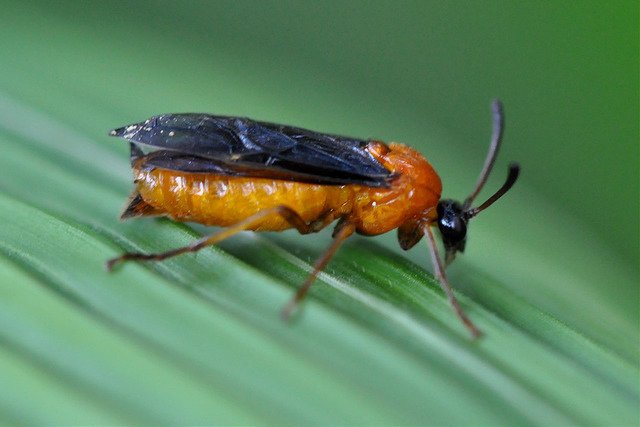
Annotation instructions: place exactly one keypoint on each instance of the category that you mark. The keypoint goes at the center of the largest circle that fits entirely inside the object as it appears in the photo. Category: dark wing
(243, 147)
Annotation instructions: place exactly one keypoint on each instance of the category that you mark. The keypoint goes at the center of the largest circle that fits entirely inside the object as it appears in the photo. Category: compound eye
(453, 229)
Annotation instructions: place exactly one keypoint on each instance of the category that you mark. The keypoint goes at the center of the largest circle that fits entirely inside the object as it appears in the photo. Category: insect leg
(249, 223)
(444, 284)
(299, 224)
(343, 230)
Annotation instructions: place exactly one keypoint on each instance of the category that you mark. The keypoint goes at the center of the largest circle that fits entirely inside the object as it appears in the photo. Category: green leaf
(197, 339)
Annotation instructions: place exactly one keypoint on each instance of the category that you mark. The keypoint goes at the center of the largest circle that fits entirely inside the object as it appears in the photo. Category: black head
(453, 216)
(452, 224)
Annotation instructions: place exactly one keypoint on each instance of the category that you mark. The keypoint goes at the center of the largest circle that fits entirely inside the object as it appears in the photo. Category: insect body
(223, 200)
(249, 175)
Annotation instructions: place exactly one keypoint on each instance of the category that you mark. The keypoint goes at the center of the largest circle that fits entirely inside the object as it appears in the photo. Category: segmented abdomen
(223, 200)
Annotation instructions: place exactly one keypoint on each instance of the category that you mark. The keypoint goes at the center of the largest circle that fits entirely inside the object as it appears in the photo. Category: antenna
(496, 140)
(514, 171)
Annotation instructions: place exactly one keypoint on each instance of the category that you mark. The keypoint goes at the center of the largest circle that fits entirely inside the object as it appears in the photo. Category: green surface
(551, 272)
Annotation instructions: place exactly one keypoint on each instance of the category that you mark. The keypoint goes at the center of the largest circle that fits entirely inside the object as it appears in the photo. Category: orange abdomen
(225, 200)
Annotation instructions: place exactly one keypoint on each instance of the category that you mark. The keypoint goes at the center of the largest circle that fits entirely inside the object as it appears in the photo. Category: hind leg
(249, 223)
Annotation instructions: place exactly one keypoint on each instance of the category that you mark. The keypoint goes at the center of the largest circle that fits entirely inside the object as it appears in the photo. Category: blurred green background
(551, 272)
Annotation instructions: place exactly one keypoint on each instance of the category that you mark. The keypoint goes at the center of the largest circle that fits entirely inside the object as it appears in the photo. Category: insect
(249, 175)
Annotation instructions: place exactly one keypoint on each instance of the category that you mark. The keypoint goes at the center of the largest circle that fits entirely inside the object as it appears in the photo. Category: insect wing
(243, 147)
